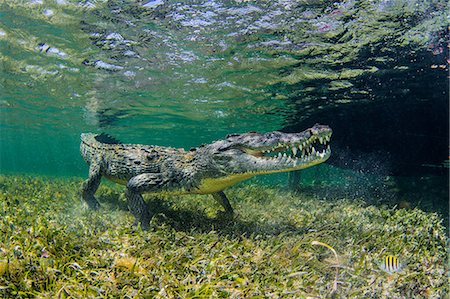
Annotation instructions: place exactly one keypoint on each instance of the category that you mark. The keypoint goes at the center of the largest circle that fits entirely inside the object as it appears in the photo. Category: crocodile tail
(105, 138)
(90, 138)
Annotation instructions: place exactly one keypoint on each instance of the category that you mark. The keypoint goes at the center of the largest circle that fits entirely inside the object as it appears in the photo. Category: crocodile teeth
(313, 152)
(294, 150)
(321, 140)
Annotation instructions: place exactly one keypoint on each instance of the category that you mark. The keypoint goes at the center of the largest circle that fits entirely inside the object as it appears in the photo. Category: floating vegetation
(51, 246)
(335, 283)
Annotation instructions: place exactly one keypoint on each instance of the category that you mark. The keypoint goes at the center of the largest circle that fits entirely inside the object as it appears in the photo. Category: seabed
(52, 246)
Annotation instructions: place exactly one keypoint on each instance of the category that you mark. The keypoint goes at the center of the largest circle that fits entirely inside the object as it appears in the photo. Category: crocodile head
(241, 156)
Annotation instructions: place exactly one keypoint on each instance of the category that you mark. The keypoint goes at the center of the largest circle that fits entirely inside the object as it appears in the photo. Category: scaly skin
(208, 169)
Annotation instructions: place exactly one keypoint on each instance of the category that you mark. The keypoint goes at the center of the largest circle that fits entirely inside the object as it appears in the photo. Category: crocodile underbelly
(212, 185)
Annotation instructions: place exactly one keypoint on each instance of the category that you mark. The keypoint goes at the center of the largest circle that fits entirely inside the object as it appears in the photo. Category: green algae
(52, 246)
(306, 75)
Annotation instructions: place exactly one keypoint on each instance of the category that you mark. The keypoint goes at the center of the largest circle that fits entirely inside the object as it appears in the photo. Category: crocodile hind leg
(90, 186)
(138, 208)
(147, 182)
(223, 200)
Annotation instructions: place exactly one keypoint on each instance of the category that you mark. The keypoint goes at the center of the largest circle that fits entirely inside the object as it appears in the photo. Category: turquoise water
(183, 87)
(182, 74)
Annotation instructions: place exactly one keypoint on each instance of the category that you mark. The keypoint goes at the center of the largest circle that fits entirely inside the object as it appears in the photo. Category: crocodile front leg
(147, 182)
(91, 185)
(223, 200)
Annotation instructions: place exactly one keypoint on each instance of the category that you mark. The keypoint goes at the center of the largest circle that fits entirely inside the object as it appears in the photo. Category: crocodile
(207, 169)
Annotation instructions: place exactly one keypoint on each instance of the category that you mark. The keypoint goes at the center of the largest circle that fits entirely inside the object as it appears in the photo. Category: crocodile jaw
(289, 156)
(279, 163)
(241, 156)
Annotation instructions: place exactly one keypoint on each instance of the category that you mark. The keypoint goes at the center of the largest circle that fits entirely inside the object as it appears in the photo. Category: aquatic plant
(53, 247)
(335, 282)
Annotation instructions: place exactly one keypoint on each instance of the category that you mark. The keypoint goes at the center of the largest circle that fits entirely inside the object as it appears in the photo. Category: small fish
(391, 264)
